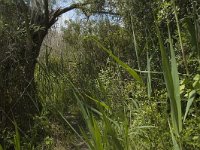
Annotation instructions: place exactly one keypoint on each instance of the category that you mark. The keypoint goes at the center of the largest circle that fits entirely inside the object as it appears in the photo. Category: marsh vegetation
(118, 75)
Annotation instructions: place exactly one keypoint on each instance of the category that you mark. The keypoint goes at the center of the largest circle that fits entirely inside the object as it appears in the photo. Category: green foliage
(125, 66)
(93, 91)
(191, 94)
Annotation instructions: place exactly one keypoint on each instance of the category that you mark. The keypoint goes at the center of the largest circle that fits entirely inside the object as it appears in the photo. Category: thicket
(124, 81)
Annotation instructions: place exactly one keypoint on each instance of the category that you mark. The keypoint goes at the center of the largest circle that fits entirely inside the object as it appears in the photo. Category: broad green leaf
(176, 84)
(169, 84)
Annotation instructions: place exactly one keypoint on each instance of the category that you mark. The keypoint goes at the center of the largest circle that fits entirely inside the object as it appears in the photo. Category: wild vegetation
(119, 75)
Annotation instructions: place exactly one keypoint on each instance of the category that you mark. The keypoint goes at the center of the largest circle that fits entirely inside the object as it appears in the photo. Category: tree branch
(106, 13)
(73, 6)
(46, 10)
(59, 12)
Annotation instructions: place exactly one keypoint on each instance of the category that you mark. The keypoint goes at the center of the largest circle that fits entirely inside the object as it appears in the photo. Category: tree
(23, 36)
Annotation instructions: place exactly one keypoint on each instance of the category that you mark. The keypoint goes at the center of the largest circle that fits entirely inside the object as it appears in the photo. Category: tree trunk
(18, 98)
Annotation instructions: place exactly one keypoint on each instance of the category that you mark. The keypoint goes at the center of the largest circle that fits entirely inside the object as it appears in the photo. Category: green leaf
(131, 71)
(176, 84)
(149, 76)
(172, 82)
(71, 126)
(99, 102)
(191, 98)
(16, 138)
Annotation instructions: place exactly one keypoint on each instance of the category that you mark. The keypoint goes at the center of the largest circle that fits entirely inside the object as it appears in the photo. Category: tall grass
(131, 71)
(172, 83)
(180, 37)
(135, 42)
(105, 133)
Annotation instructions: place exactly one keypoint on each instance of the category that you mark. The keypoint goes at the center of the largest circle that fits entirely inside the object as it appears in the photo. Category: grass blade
(98, 102)
(149, 76)
(191, 98)
(180, 37)
(71, 126)
(131, 71)
(16, 138)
